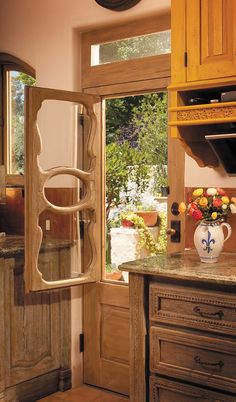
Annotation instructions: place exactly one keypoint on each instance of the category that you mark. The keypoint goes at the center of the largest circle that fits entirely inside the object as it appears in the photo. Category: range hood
(224, 146)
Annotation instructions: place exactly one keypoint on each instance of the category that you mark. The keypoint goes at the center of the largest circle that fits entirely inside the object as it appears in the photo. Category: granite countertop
(186, 266)
(11, 246)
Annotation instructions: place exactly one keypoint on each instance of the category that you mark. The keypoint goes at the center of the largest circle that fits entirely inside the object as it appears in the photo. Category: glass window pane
(15, 126)
(132, 48)
(136, 177)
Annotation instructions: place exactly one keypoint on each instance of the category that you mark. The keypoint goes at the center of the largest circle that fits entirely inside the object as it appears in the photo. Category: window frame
(9, 63)
(127, 70)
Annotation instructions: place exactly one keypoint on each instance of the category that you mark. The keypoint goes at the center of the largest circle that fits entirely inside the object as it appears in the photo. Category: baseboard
(34, 389)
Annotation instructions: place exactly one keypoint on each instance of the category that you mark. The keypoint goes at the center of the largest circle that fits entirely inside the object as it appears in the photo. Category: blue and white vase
(209, 240)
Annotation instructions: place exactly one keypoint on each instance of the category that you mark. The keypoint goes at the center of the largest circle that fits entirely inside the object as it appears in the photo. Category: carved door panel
(210, 39)
(32, 328)
(62, 186)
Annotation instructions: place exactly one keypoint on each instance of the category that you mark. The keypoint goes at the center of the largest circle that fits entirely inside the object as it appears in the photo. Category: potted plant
(209, 207)
(149, 214)
(146, 238)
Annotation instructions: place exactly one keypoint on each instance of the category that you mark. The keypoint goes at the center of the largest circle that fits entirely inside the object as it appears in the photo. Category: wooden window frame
(9, 63)
(129, 70)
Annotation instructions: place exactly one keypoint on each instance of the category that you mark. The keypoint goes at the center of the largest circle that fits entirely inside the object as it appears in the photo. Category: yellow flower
(225, 199)
(182, 207)
(198, 192)
(233, 199)
(214, 215)
(203, 201)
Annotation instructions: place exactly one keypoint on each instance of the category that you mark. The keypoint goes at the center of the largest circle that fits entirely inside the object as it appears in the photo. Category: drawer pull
(202, 363)
(205, 314)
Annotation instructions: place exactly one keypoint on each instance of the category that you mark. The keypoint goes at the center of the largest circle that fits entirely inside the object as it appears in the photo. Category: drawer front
(193, 308)
(200, 359)
(162, 390)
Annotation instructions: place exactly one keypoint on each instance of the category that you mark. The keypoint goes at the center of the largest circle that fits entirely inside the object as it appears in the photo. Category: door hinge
(185, 59)
(81, 343)
(81, 120)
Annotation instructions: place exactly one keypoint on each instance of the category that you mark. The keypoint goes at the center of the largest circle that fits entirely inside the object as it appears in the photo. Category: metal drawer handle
(199, 361)
(198, 310)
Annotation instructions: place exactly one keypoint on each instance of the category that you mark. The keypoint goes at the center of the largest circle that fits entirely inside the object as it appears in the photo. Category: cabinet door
(32, 328)
(62, 186)
(210, 39)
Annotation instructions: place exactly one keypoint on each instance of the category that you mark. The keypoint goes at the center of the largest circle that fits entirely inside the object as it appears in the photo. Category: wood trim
(178, 41)
(11, 62)
(124, 71)
(138, 333)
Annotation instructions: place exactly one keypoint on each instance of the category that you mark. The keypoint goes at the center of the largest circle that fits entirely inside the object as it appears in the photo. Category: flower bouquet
(210, 207)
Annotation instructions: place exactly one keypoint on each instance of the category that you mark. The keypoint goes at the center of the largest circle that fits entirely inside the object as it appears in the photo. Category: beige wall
(196, 176)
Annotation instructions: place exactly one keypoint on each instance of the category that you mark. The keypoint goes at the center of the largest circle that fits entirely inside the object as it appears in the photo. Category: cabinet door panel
(32, 329)
(210, 39)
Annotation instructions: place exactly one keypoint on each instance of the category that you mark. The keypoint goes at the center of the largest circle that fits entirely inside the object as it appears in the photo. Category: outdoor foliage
(136, 147)
(18, 81)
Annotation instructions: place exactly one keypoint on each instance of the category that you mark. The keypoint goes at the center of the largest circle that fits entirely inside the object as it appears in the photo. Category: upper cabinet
(203, 68)
(211, 39)
(203, 40)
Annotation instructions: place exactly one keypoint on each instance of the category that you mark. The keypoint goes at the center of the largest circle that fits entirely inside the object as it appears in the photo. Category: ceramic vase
(209, 240)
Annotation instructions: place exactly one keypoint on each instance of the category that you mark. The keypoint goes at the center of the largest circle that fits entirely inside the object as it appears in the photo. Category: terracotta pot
(116, 276)
(126, 223)
(149, 217)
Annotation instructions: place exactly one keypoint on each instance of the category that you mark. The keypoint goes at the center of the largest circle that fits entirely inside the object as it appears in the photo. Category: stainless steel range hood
(224, 146)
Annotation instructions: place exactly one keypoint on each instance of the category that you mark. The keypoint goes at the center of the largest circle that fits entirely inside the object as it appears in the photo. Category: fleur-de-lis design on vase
(208, 242)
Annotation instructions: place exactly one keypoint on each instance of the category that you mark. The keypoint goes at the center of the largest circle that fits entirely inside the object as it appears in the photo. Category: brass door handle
(171, 231)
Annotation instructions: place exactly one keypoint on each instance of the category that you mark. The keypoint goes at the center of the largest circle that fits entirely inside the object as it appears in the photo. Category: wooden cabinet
(191, 338)
(211, 39)
(35, 336)
(203, 65)
(205, 31)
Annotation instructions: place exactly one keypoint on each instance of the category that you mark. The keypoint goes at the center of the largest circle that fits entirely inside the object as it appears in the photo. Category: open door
(62, 189)
(106, 303)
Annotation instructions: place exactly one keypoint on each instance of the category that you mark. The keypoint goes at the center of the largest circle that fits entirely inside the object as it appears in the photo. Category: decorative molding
(207, 113)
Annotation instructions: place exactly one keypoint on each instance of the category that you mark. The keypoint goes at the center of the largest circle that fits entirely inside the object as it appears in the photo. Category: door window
(136, 179)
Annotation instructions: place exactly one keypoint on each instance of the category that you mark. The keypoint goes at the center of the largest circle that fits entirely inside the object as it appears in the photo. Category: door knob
(170, 231)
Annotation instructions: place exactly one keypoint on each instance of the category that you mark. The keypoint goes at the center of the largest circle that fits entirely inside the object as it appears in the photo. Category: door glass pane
(16, 82)
(132, 48)
(136, 178)
(64, 131)
(62, 253)
(67, 247)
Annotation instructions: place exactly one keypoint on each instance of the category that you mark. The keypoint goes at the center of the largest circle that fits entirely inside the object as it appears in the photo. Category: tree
(123, 164)
(150, 118)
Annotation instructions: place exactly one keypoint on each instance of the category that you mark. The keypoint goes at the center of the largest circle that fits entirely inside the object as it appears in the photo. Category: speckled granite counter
(186, 266)
(11, 246)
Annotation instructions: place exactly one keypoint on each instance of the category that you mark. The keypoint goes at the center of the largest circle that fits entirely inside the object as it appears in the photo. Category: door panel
(210, 39)
(106, 329)
(63, 199)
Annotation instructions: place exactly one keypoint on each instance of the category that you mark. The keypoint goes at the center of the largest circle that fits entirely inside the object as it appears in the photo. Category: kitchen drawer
(193, 308)
(205, 360)
(162, 390)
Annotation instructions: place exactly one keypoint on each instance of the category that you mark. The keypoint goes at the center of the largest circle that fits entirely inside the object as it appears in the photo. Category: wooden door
(106, 305)
(210, 39)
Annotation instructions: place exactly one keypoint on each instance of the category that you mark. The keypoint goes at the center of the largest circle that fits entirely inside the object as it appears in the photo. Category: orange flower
(220, 191)
(233, 199)
(203, 201)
